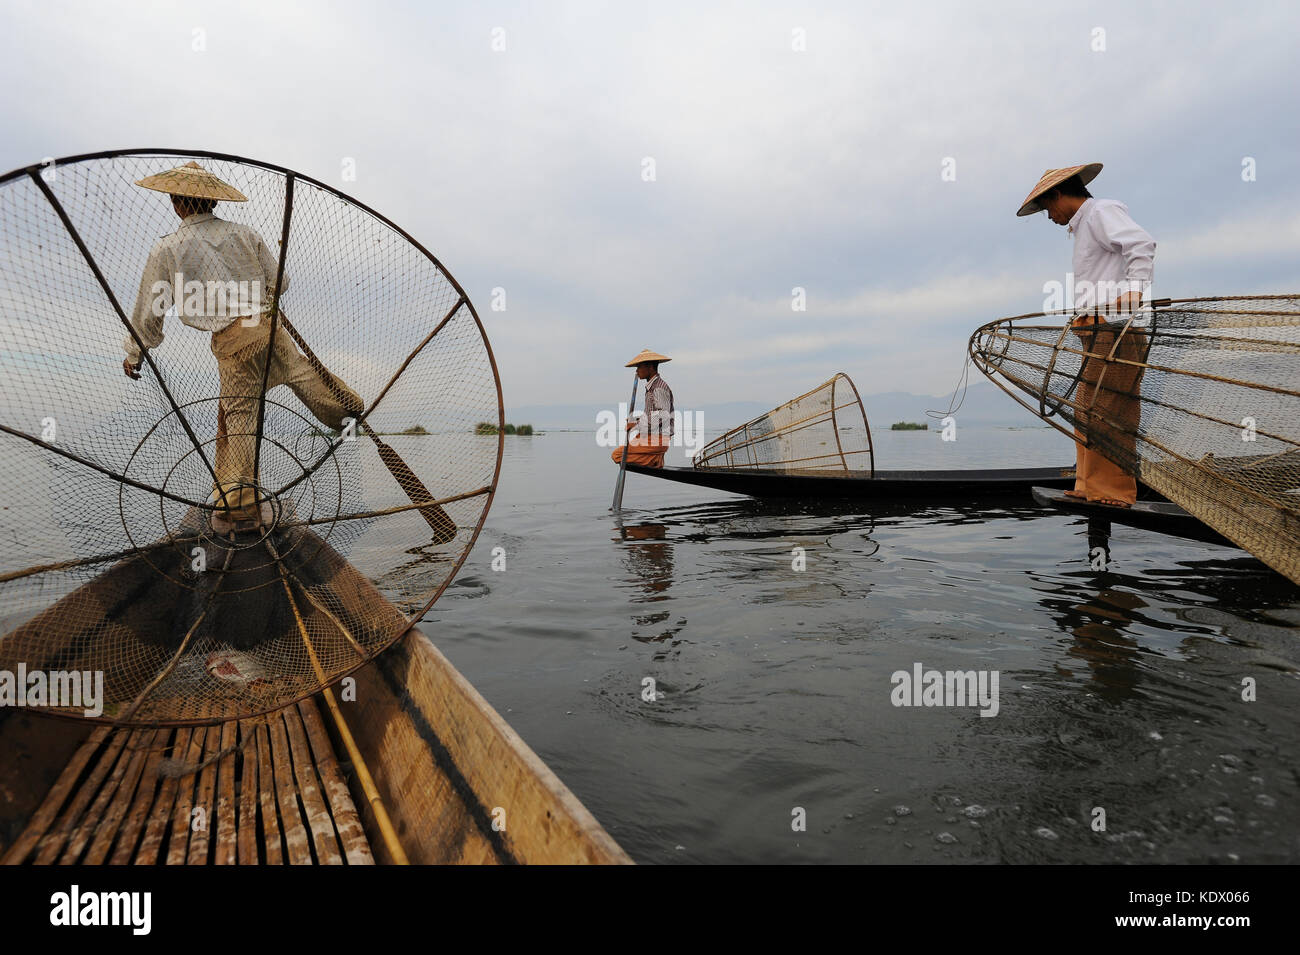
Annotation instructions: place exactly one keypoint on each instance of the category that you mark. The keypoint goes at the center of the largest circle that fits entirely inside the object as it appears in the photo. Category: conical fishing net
(1196, 397)
(824, 431)
(183, 536)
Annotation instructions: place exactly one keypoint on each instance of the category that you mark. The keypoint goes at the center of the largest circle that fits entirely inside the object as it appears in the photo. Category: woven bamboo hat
(192, 180)
(1054, 177)
(646, 355)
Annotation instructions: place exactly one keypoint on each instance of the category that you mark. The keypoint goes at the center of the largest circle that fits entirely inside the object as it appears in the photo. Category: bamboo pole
(627, 447)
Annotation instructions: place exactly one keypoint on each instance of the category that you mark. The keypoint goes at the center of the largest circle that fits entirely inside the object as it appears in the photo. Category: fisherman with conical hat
(1113, 263)
(236, 273)
(655, 430)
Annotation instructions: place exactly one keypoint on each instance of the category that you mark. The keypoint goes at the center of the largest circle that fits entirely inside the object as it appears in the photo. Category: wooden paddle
(622, 465)
(444, 528)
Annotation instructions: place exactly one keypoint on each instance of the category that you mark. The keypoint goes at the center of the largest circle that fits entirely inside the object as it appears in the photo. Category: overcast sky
(793, 145)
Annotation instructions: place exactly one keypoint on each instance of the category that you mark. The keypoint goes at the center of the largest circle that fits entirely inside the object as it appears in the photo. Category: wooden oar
(444, 528)
(622, 466)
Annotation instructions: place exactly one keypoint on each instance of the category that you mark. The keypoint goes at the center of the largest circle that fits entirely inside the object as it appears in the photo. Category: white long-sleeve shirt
(233, 266)
(1112, 254)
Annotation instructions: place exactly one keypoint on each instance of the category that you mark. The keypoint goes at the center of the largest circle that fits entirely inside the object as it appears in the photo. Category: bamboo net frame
(1198, 398)
(823, 431)
(112, 563)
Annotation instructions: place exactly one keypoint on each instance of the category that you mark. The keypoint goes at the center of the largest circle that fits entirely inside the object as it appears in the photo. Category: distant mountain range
(984, 404)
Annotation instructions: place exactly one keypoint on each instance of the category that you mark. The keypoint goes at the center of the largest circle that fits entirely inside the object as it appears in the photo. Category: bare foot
(1110, 502)
(1077, 495)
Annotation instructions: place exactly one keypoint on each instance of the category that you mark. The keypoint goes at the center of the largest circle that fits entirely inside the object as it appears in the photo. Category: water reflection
(1099, 625)
(649, 560)
(648, 557)
(1115, 617)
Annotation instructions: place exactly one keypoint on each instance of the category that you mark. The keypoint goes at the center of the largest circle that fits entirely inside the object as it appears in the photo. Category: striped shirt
(658, 420)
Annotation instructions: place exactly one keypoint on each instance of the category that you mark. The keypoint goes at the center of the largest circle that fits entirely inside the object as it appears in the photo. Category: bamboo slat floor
(265, 790)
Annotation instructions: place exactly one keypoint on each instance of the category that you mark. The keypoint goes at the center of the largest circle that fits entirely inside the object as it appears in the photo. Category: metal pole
(622, 466)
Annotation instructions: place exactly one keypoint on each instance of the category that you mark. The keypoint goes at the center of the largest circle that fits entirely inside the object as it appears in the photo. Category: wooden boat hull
(1151, 515)
(452, 782)
(936, 487)
(448, 766)
(458, 784)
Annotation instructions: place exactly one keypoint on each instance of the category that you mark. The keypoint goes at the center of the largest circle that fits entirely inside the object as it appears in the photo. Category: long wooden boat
(1151, 515)
(818, 446)
(259, 700)
(408, 764)
(938, 487)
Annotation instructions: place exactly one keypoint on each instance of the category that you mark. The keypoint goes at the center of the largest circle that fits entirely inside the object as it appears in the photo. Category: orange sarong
(1108, 410)
(648, 452)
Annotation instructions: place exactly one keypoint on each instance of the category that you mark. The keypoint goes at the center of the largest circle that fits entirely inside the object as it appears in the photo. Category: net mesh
(1197, 398)
(122, 549)
(823, 432)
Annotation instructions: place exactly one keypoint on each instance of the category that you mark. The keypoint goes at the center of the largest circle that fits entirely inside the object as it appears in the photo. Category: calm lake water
(1119, 690)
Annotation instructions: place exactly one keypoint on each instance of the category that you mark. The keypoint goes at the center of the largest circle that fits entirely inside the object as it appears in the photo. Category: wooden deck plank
(178, 845)
(266, 797)
(89, 822)
(319, 821)
(161, 814)
(246, 838)
(52, 843)
(225, 853)
(297, 845)
(202, 813)
(48, 811)
(356, 848)
(147, 791)
(122, 800)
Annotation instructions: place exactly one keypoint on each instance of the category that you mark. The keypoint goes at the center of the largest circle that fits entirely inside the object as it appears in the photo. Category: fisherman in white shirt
(219, 276)
(1113, 264)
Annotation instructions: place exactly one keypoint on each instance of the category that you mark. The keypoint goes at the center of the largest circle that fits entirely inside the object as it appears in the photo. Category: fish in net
(1197, 398)
(191, 537)
(822, 432)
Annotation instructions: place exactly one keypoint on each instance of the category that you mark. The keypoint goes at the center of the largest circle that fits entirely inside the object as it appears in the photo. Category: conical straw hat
(646, 355)
(192, 180)
(1054, 177)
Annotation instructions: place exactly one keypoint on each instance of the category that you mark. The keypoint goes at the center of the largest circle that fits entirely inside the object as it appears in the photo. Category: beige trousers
(241, 357)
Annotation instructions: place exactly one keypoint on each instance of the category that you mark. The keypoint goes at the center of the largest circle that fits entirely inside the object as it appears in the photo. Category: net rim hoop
(35, 170)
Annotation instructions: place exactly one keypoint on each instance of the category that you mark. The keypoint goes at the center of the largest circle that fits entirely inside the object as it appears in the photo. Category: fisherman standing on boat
(1113, 263)
(650, 443)
(231, 260)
